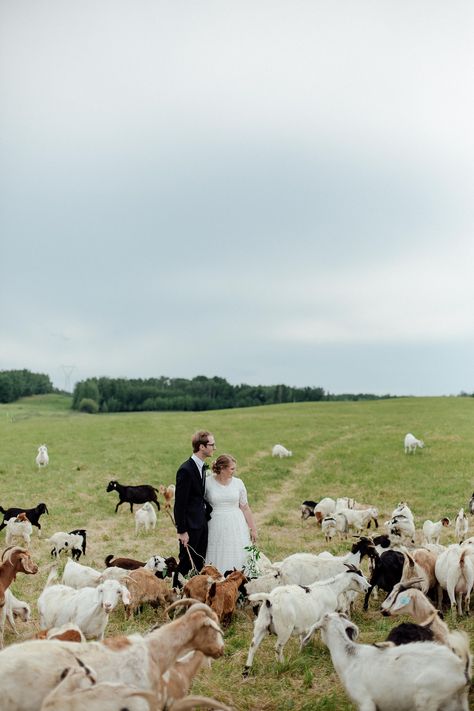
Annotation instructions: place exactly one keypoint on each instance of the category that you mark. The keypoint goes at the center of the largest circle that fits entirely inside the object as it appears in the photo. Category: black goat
(408, 632)
(388, 568)
(76, 552)
(307, 509)
(133, 494)
(32, 515)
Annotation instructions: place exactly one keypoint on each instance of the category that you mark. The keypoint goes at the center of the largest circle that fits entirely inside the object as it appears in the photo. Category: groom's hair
(200, 437)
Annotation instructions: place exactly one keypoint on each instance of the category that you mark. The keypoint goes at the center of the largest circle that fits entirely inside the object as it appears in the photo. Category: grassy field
(339, 449)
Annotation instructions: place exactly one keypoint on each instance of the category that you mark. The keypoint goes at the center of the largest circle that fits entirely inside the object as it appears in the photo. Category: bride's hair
(222, 462)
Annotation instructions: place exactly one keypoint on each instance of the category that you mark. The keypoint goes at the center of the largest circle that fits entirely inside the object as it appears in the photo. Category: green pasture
(339, 449)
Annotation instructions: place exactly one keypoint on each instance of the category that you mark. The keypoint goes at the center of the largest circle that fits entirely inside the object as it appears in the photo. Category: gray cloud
(287, 187)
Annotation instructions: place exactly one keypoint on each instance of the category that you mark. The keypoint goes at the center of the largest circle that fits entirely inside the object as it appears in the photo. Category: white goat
(292, 609)
(145, 517)
(280, 451)
(42, 458)
(432, 530)
(69, 542)
(307, 568)
(89, 608)
(12, 608)
(79, 576)
(329, 527)
(454, 570)
(420, 676)
(19, 527)
(461, 526)
(401, 526)
(411, 443)
(325, 507)
(357, 519)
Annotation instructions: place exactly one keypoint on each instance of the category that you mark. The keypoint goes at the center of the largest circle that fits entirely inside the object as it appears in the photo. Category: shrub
(88, 405)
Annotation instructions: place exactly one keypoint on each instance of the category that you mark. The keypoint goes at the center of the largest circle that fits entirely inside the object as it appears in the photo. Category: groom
(190, 510)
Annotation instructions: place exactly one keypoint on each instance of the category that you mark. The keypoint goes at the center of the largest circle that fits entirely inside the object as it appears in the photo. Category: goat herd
(421, 665)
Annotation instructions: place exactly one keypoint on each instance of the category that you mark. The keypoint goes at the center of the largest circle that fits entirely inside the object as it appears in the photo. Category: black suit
(190, 514)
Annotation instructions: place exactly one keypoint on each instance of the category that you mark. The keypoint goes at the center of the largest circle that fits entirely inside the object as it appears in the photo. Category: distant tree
(22, 383)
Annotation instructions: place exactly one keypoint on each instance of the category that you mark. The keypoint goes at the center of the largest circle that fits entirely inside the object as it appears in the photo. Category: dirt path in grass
(285, 493)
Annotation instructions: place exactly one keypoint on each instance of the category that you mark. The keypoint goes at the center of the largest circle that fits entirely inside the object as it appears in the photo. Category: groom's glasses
(210, 444)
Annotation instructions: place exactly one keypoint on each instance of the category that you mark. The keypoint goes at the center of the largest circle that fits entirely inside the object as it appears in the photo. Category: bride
(232, 525)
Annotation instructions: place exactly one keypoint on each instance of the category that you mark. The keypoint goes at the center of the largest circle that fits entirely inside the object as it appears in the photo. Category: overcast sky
(271, 192)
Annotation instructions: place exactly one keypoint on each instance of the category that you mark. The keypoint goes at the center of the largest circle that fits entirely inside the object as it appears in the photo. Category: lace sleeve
(243, 501)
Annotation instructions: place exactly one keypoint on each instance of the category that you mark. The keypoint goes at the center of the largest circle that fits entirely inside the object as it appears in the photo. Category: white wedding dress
(228, 530)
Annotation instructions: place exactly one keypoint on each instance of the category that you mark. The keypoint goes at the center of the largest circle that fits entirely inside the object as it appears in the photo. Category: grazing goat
(307, 509)
(222, 596)
(14, 560)
(14, 608)
(411, 443)
(161, 567)
(133, 494)
(387, 571)
(408, 632)
(79, 576)
(356, 519)
(461, 526)
(280, 451)
(145, 517)
(143, 587)
(29, 670)
(74, 541)
(78, 691)
(410, 601)
(432, 530)
(18, 527)
(306, 568)
(198, 586)
(89, 608)
(413, 677)
(33, 515)
(42, 458)
(419, 565)
(325, 507)
(293, 609)
(329, 527)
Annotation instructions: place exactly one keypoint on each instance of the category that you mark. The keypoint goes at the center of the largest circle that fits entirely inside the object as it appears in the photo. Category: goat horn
(190, 702)
(187, 602)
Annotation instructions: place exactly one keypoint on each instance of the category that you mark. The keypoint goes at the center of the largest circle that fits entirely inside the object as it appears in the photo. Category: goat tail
(259, 597)
(459, 643)
(108, 559)
(2, 510)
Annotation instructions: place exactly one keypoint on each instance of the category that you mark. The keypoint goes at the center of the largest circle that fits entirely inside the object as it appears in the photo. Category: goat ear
(126, 597)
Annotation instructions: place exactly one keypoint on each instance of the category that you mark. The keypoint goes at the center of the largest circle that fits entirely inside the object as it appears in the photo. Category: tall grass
(339, 449)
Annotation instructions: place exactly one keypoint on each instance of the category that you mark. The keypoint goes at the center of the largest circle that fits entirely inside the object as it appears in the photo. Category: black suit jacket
(190, 509)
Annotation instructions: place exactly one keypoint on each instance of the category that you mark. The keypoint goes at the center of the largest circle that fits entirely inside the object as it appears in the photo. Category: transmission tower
(68, 370)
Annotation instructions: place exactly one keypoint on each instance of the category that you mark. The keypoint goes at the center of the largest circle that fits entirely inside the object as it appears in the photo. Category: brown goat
(222, 596)
(198, 586)
(144, 586)
(126, 563)
(67, 633)
(14, 560)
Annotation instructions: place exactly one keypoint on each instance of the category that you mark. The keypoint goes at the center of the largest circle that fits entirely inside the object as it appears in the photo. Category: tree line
(21, 383)
(197, 394)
